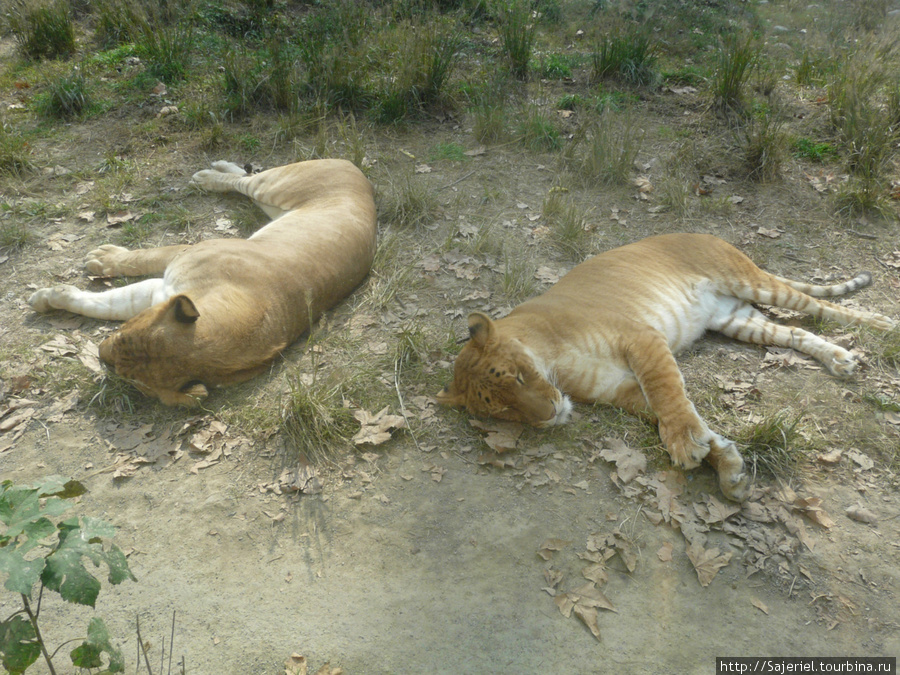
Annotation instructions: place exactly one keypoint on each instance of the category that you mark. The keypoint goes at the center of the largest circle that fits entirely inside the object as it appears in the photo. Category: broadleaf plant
(38, 552)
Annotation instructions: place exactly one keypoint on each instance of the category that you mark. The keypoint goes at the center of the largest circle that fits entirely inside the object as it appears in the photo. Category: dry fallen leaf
(589, 595)
(496, 460)
(811, 507)
(553, 577)
(546, 275)
(501, 436)
(376, 429)
(295, 665)
(719, 512)
(665, 552)
(114, 219)
(564, 602)
(588, 616)
(90, 358)
(596, 573)
(832, 457)
(707, 562)
(760, 605)
(550, 546)
(864, 462)
(629, 462)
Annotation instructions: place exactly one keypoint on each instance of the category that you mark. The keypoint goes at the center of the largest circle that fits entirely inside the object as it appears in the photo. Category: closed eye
(519, 378)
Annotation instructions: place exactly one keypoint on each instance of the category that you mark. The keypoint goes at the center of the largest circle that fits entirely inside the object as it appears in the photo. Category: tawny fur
(608, 332)
(222, 309)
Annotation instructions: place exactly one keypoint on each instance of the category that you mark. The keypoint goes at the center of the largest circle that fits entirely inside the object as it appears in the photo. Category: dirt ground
(429, 553)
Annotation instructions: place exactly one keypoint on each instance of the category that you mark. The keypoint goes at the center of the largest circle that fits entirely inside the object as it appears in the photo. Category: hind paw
(224, 166)
(843, 365)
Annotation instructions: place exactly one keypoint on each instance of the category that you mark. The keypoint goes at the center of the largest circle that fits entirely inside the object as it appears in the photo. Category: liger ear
(184, 310)
(481, 329)
(450, 397)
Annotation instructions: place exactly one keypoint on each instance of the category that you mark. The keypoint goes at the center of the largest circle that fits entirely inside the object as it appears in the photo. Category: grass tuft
(14, 236)
(569, 230)
(736, 60)
(764, 142)
(604, 151)
(314, 419)
(804, 148)
(13, 152)
(517, 30)
(65, 98)
(770, 446)
(538, 132)
(43, 30)
(409, 203)
(517, 283)
(166, 48)
(628, 57)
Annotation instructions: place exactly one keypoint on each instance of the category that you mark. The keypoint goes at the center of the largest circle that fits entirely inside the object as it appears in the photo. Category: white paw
(882, 322)
(47, 299)
(104, 261)
(228, 167)
(204, 178)
(843, 365)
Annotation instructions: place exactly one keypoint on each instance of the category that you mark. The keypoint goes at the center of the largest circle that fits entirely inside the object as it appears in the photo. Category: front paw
(734, 481)
(47, 299)
(687, 446)
(735, 487)
(105, 261)
(843, 364)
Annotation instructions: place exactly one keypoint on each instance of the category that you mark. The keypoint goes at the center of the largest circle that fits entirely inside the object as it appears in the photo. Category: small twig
(141, 648)
(458, 180)
(106, 469)
(882, 263)
(863, 235)
(172, 643)
(796, 259)
(402, 405)
(37, 632)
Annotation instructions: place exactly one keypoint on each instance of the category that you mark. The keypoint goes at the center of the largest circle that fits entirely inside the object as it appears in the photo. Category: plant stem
(37, 631)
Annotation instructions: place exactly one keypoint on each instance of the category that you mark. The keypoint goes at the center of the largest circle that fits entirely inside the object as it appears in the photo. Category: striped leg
(687, 437)
(743, 322)
(789, 294)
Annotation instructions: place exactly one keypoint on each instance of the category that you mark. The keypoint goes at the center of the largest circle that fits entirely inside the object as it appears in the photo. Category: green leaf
(97, 633)
(65, 574)
(18, 645)
(23, 574)
(21, 506)
(50, 485)
(37, 531)
(87, 655)
(71, 489)
(95, 528)
(119, 570)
